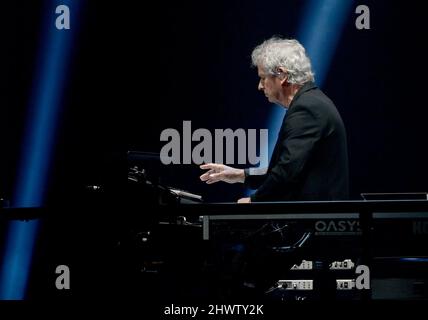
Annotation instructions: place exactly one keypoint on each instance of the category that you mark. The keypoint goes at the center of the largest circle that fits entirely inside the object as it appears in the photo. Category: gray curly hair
(285, 53)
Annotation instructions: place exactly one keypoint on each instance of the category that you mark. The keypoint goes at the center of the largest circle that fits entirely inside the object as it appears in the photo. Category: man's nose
(260, 87)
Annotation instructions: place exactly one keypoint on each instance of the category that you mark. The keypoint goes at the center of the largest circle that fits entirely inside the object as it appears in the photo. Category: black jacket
(310, 158)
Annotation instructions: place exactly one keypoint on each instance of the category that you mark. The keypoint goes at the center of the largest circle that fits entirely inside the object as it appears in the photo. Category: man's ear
(282, 74)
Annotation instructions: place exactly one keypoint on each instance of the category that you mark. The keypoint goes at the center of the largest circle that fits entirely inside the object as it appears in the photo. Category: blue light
(37, 149)
(414, 259)
(320, 31)
(276, 117)
(44, 108)
(17, 259)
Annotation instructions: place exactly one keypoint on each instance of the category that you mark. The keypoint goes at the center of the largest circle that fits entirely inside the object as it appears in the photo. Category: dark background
(138, 69)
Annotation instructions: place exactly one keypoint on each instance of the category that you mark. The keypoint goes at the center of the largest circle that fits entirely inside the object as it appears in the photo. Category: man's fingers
(206, 166)
(211, 181)
(212, 178)
(211, 166)
(216, 176)
(206, 175)
(210, 175)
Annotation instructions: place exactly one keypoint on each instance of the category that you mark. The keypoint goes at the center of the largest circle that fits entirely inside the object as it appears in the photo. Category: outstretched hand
(220, 172)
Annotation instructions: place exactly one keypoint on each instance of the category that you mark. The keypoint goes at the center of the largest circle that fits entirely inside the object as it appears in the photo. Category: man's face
(270, 84)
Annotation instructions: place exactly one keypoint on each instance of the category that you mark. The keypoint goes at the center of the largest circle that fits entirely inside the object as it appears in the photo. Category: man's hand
(220, 172)
(244, 200)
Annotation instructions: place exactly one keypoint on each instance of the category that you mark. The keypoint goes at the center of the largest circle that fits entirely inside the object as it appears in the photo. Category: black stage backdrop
(139, 69)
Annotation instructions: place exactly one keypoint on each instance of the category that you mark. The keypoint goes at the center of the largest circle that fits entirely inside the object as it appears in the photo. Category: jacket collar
(306, 87)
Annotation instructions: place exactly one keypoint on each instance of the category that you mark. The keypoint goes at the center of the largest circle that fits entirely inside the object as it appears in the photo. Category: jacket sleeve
(302, 131)
(254, 177)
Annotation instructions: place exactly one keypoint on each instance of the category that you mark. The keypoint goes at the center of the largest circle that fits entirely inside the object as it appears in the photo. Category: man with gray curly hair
(310, 158)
